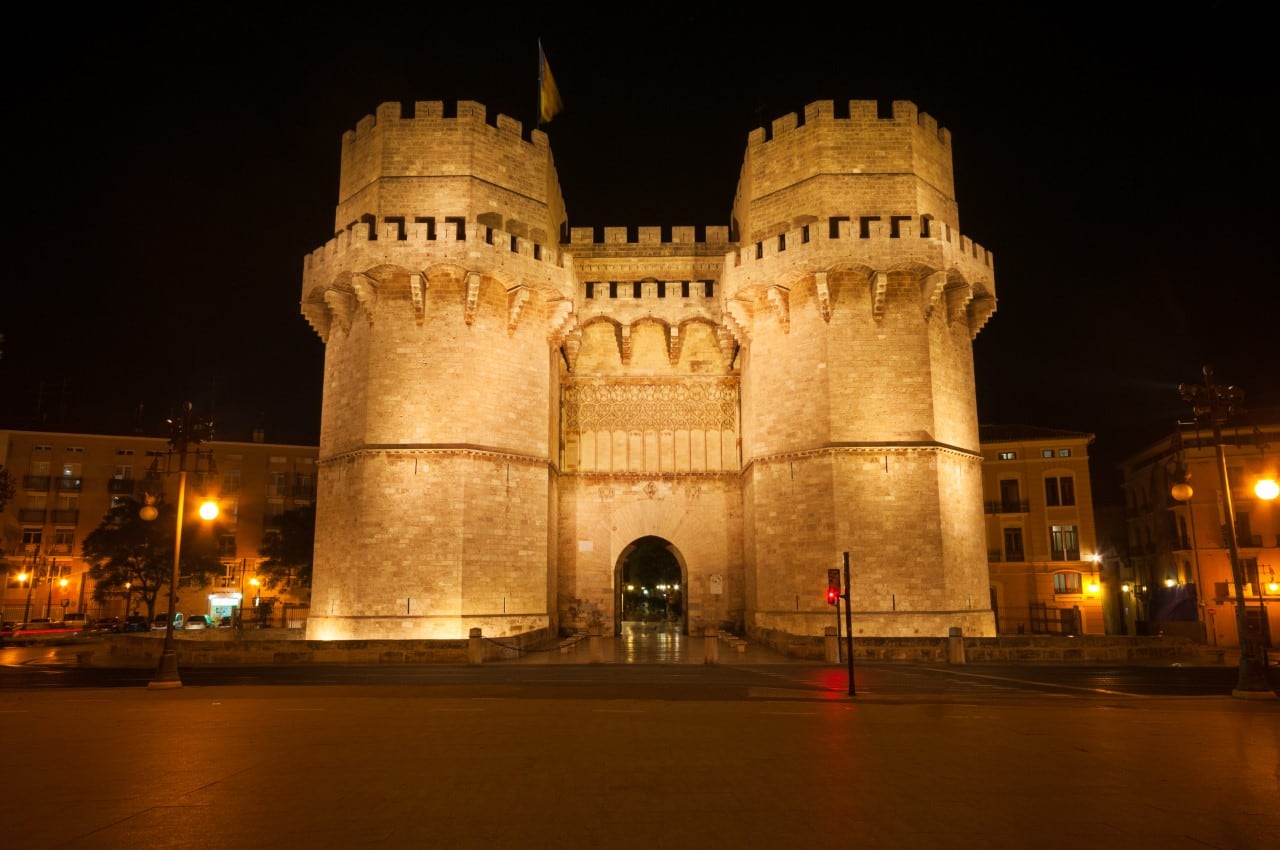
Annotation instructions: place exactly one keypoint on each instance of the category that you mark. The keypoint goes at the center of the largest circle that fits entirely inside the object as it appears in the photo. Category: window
(64, 539)
(1010, 503)
(31, 538)
(124, 452)
(1059, 491)
(1007, 456)
(227, 545)
(1064, 543)
(1066, 582)
(231, 481)
(1046, 453)
(277, 485)
(1249, 567)
(123, 472)
(1064, 452)
(1013, 544)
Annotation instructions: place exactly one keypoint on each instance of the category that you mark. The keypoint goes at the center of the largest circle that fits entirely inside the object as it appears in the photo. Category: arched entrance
(651, 580)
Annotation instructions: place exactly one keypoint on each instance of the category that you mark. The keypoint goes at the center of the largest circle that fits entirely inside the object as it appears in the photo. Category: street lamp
(186, 432)
(1217, 404)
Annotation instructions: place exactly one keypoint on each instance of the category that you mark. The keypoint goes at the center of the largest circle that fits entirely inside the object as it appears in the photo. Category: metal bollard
(712, 643)
(475, 647)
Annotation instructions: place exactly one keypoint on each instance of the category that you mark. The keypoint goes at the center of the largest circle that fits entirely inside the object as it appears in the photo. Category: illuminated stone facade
(511, 404)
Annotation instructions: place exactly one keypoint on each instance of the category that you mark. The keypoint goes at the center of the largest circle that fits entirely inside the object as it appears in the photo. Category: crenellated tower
(856, 300)
(439, 302)
(511, 407)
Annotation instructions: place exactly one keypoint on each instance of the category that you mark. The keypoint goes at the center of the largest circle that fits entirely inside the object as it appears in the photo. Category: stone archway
(651, 581)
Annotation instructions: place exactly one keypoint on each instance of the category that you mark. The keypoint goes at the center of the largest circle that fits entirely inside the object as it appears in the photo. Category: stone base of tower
(425, 627)
(784, 624)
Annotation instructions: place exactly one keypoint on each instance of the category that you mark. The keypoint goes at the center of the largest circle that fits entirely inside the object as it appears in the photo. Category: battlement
(429, 116)
(863, 115)
(903, 229)
(712, 235)
(449, 236)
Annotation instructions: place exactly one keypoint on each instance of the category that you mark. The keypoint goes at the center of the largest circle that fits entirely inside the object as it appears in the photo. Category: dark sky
(168, 175)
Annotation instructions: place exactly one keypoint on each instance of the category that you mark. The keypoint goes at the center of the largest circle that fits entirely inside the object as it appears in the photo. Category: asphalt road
(622, 755)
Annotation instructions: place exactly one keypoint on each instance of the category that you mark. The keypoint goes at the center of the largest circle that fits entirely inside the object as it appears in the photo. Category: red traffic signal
(833, 586)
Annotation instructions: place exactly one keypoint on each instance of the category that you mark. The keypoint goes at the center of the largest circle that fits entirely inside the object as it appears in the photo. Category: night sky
(167, 176)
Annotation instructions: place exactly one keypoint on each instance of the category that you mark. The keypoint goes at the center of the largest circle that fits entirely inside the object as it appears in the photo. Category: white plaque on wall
(586, 546)
(717, 584)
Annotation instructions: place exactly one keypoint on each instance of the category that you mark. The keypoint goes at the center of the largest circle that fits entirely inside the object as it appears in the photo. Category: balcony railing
(32, 515)
(1008, 506)
(35, 482)
(66, 517)
(70, 482)
(119, 485)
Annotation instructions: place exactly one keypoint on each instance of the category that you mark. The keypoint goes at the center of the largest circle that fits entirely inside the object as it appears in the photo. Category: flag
(549, 102)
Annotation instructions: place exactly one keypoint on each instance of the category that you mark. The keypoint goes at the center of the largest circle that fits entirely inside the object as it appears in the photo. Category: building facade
(1048, 575)
(1179, 550)
(64, 485)
(515, 410)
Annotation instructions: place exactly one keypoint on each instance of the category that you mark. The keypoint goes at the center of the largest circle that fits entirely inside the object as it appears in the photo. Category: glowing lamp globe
(1181, 491)
(148, 512)
(1266, 489)
(209, 510)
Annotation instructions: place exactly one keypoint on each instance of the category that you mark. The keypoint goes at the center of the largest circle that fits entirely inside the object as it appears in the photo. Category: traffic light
(833, 586)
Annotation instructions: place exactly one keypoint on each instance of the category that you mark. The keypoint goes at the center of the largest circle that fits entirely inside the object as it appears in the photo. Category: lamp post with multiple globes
(186, 433)
(1216, 405)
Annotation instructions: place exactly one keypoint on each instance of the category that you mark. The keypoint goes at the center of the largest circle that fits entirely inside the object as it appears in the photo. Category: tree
(6, 487)
(125, 548)
(290, 549)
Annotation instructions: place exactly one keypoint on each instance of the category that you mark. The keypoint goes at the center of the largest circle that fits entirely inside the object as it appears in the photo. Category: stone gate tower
(511, 406)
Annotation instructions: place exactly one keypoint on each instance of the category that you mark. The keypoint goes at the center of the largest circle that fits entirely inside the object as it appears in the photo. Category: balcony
(66, 517)
(304, 492)
(70, 482)
(1008, 506)
(35, 482)
(32, 515)
(120, 485)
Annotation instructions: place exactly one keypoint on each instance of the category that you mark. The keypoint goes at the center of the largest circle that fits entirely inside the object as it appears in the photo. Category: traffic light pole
(848, 624)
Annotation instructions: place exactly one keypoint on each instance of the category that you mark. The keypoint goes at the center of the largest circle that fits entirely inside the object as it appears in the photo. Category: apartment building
(64, 484)
(1179, 550)
(1047, 573)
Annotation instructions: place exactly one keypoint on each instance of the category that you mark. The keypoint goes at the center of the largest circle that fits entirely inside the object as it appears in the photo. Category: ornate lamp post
(1216, 405)
(185, 433)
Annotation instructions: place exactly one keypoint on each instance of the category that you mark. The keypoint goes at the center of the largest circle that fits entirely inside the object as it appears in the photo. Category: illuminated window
(1066, 582)
(1007, 456)
(1064, 543)
(1064, 452)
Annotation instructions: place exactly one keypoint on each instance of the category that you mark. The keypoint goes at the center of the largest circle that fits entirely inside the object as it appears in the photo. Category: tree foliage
(289, 550)
(6, 487)
(124, 548)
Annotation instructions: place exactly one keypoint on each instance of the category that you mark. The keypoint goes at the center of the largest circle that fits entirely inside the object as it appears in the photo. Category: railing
(35, 482)
(66, 517)
(1250, 541)
(1008, 506)
(31, 515)
(307, 493)
(119, 485)
(69, 482)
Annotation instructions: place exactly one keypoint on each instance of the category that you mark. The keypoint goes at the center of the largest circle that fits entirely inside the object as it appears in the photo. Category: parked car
(135, 623)
(44, 627)
(77, 620)
(107, 625)
(161, 621)
(198, 621)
